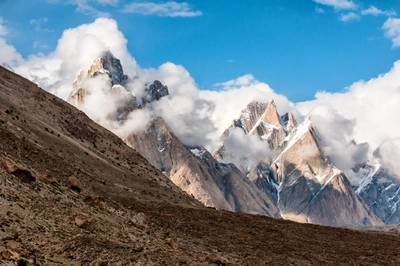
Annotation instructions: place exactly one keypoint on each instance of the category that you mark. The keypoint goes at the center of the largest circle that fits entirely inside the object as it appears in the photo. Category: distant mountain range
(288, 175)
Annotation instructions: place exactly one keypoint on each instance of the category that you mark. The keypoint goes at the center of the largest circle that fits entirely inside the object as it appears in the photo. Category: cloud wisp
(38, 24)
(374, 11)
(392, 31)
(338, 4)
(169, 9)
(349, 17)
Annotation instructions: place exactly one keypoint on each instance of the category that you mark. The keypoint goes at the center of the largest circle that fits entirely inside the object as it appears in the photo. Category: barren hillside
(119, 210)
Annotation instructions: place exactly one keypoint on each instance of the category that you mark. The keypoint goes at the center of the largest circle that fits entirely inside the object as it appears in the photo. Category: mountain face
(295, 180)
(195, 171)
(381, 192)
(306, 186)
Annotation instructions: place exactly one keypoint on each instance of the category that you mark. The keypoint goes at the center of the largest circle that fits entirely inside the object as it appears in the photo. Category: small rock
(96, 201)
(85, 223)
(13, 245)
(99, 262)
(10, 255)
(74, 183)
(48, 178)
(9, 165)
(13, 168)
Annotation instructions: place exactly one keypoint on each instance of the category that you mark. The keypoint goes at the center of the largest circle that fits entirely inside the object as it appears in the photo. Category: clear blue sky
(298, 47)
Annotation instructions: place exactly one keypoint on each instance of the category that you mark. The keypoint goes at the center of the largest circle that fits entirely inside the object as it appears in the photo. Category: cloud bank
(367, 111)
(354, 125)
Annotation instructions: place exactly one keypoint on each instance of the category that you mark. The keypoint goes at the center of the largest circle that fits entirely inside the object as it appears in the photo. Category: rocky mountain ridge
(295, 180)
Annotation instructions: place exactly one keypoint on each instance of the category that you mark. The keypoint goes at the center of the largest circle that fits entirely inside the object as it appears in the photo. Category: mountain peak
(271, 115)
(155, 91)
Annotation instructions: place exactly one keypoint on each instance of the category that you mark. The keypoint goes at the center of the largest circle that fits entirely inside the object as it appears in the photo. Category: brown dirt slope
(119, 210)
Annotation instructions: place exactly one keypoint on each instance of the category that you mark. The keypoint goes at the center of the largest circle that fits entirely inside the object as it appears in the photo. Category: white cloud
(367, 112)
(372, 10)
(245, 151)
(8, 54)
(76, 50)
(169, 9)
(338, 4)
(349, 17)
(392, 31)
(245, 80)
(371, 109)
(197, 117)
(389, 154)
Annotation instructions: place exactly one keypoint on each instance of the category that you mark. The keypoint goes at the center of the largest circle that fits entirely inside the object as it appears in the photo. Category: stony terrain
(72, 193)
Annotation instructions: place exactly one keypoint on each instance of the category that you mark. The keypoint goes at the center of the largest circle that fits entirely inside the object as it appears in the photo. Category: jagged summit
(107, 64)
(289, 122)
(154, 92)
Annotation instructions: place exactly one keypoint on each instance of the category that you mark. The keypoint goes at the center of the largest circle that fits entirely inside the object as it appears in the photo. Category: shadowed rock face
(381, 192)
(304, 184)
(194, 170)
(154, 92)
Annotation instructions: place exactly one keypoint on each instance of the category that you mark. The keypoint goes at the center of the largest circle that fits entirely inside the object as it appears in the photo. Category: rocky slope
(120, 210)
(307, 186)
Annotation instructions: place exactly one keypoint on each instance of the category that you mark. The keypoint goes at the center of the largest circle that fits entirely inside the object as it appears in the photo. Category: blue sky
(298, 47)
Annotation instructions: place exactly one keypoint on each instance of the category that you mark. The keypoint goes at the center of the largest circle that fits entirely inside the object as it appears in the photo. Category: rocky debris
(15, 251)
(13, 168)
(215, 260)
(48, 177)
(74, 183)
(96, 201)
(170, 239)
(85, 222)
